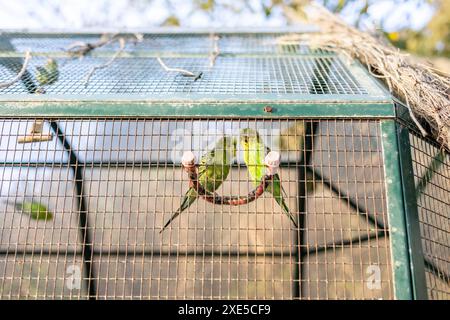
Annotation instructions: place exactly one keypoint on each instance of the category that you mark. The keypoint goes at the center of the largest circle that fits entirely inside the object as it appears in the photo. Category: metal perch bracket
(271, 161)
(35, 134)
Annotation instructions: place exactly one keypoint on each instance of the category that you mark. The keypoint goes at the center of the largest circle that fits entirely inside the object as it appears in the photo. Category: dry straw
(425, 91)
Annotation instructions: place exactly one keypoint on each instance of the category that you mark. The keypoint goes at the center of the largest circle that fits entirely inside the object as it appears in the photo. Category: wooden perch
(35, 134)
(272, 161)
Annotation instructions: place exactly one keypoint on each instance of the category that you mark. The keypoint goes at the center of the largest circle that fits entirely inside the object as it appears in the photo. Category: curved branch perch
(214, 198)
(272, 162)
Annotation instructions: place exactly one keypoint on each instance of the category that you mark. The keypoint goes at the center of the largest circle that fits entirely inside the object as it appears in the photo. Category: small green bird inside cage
(213, 169)
(35, 210)
(47, 74)
(254, 154)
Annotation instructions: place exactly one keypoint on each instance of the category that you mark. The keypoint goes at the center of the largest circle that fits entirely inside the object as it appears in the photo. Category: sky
(128, 14)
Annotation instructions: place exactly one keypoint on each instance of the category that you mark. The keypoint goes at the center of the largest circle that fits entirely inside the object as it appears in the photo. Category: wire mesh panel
(431, 167)
(111, 184)
(262, 66)
(185, 43)
(272, 75)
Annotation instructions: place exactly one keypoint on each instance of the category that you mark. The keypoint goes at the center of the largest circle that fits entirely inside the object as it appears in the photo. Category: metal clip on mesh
(272, 162)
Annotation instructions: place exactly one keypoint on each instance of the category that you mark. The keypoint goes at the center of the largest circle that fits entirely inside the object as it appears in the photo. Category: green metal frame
(408, 266)
(175, 109)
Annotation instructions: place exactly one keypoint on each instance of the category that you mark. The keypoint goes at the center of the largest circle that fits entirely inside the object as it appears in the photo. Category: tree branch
(9, 83)
(108, 63)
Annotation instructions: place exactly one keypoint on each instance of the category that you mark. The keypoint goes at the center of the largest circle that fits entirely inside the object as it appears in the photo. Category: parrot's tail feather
(291, 216)
(286, 211)
(277, 194)
(170, 220)
(284, 192)
(189, 198)
(276, 179)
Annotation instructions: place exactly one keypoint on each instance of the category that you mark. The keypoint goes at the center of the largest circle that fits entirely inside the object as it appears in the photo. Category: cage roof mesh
(248, 64)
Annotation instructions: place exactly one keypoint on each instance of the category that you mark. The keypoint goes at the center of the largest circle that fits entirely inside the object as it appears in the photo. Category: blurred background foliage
(421, 27)
(430, 39)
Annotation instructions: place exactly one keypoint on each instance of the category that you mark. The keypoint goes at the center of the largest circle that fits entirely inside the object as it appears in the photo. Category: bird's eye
(245, 140)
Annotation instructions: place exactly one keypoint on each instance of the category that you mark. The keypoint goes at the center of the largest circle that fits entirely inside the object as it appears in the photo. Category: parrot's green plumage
(254, 154)
(47, 74)
(213, 169)
(35, 210)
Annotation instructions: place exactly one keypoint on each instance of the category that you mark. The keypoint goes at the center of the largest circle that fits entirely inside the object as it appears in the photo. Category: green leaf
(171, 21)
(341, 4)
(207, 5)
(267, 10)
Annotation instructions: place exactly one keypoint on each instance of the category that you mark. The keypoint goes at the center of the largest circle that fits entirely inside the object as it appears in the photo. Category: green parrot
(35, 210)
(254, 154)
(47, 74)
(213, 169)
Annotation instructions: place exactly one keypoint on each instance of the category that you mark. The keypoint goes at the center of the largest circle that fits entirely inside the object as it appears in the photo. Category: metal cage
(369, 194)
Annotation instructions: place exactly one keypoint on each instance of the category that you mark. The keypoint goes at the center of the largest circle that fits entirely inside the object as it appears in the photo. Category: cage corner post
(408, 269)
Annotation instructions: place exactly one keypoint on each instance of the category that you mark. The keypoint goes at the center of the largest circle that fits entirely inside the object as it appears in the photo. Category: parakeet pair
(35, 210)
(216, 164)
(213, 169)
